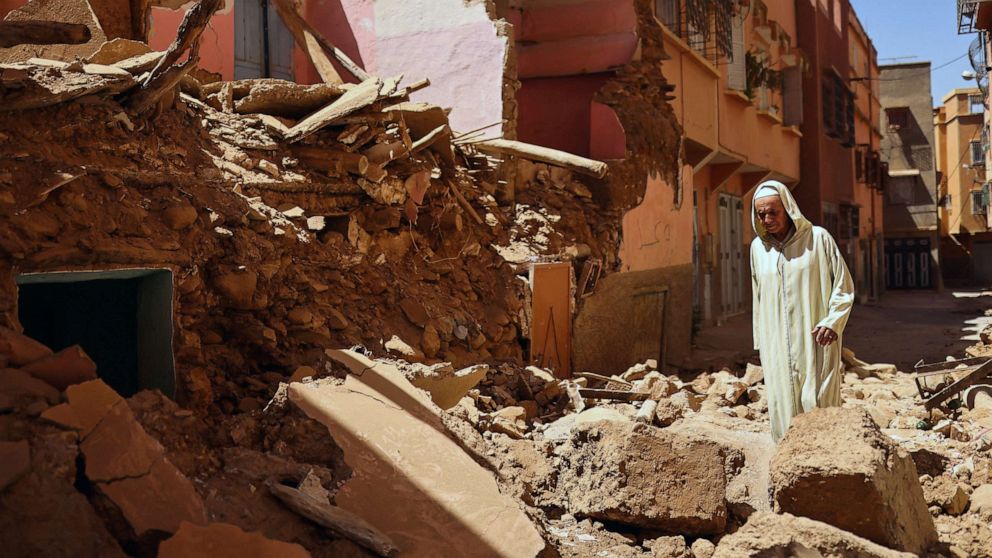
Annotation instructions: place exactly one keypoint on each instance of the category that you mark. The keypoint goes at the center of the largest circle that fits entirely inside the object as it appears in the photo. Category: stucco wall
(216, 43)
(615, 329)
(908, 85)
(656, 233)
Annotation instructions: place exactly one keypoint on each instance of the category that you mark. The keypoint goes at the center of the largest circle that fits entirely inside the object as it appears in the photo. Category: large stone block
(834, 465)
(645, 476)
(769, 534)
(412, 480)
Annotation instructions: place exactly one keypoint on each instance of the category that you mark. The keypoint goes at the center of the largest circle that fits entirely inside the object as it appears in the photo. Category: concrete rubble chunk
(981, 501)
(90, 402)
(19, 349)
(63, 415)
(643, 476)
(311, 501)
(67, 367)
(43, 513)
(118, 49)
(65, 11)
(118, 447)
(222, 540)
(414, 482)
(285, 98)
(769, 534)
(668, 547)
(15, 461)
(20, 385)
(157, 501)
(834, 465)
(445, 384)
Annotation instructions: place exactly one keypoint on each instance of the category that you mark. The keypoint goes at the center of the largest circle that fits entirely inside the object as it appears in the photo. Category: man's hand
(824, 336)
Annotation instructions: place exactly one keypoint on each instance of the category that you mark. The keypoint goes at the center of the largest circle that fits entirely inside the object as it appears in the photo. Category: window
(860, 163)
(898, 118)
(977, 154)
(980, 201)
(737, 68)
(838, 109)
(668, 13)
(902, 190)
(976, 105)
(705, 25)
(792, 96)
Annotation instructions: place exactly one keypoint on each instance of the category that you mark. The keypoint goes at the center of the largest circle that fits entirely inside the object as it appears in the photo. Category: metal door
(908, 264)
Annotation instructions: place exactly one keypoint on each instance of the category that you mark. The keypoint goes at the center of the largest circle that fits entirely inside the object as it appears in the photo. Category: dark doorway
(121, 318)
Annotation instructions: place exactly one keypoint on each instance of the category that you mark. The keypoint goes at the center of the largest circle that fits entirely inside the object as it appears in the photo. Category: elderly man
(802, 298)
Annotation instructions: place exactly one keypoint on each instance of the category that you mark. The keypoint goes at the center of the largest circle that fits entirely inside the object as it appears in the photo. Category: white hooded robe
(797, 286)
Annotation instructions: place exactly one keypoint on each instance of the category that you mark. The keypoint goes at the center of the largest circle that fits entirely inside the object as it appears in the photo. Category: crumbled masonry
(350, 323)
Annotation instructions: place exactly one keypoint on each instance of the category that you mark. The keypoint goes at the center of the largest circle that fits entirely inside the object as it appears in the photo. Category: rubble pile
(298, 220)
(293, 217)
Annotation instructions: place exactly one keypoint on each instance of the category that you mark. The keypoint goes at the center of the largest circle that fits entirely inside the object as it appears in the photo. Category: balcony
(974, 16)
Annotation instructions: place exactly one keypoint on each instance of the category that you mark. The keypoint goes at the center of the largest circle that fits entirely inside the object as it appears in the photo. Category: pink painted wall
(556, 112)
(216, 43)
(655, 232)
(607, 138)
(349, 25)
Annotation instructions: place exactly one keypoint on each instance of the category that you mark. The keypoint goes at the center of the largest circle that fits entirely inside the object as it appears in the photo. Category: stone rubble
(431, 436)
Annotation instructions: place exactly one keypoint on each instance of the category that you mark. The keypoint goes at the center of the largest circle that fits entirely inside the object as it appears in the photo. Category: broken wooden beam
(554, 157)
(354, 99)
(464, 203)
(429, 139)
(34, 32)
(315, 44)
(616, 395)
(306, 39)
(166, 75)
(312, 503)
(355, 163)
(193, 24)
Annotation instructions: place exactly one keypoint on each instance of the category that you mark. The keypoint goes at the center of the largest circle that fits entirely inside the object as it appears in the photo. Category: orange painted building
(960, 156)
(739, 102)
(864, 242)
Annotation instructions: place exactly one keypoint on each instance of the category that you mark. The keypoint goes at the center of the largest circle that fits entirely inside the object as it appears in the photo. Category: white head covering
(766, 191)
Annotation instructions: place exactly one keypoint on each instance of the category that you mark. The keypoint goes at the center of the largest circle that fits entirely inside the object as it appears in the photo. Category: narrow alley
(495, 278)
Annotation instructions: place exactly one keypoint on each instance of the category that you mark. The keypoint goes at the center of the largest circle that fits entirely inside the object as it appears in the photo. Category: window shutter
(736, 69)
(280, 46)
(249, 44)
(792, 88)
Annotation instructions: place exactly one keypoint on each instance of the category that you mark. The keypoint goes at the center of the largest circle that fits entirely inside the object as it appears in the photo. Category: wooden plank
(612, 394)
(429, 139)
(950, 365)
(355, 163)
(354, 99)
(304, 36)
(314, 44)
(315, 506)
(533, 152)
(34, 32)
(976, 376)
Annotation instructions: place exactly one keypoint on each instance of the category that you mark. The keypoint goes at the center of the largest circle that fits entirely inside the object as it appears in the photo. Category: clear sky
(926, 29)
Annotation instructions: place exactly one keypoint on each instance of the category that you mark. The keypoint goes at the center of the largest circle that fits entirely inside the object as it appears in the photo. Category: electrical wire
(913, 75)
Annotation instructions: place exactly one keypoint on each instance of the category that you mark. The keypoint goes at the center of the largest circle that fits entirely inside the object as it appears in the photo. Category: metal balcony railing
(968, 15)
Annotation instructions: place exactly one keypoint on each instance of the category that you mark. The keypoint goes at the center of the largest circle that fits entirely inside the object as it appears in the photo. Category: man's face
(772, 214)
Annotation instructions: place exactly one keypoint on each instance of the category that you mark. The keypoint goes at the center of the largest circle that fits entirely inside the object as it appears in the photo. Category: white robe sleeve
(755, 300)
(842, 288)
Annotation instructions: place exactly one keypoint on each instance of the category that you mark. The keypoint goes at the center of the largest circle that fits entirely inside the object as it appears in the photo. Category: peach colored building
(739, 100)
(865, 240)
(960, 155)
